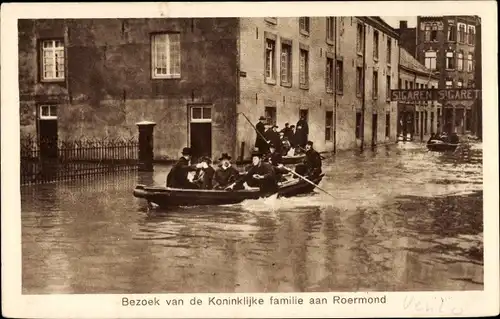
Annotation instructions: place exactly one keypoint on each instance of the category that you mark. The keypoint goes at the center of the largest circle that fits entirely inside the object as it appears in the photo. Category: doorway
(303, 113)
(200, 129)
(47, 131)
(374, 129)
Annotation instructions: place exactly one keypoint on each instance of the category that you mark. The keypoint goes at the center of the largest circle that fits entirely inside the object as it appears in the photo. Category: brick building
(418, 119)
(447, 45)
(193, 76)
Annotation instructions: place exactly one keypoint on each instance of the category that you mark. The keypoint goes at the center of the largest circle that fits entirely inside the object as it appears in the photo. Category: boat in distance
(441, 146)
(172, 197)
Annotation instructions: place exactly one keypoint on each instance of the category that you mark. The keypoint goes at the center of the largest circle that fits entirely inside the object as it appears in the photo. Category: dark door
(304, 114)
(48, 139)
(201, 139)
(374, 129)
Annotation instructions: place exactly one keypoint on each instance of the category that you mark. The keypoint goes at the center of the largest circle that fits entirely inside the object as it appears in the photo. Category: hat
(206, 159)
(286, 124)
(262, 118)
(224, 156)
(256, 152)
(309, 143)
(186, 151)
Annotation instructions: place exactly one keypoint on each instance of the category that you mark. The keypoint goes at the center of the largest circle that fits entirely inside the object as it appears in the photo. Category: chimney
(403, 25)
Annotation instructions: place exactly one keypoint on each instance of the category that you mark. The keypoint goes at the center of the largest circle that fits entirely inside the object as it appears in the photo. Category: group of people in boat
(265, 171)
(291, 137)
(444, 138)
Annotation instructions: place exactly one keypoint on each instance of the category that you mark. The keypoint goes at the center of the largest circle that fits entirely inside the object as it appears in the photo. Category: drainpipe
(335, 91)
(364, 90)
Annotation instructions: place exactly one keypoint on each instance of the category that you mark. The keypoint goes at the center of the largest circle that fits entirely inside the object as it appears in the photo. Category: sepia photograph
(250, 155)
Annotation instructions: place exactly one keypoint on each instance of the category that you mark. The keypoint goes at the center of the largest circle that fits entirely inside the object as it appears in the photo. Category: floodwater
(401, 219)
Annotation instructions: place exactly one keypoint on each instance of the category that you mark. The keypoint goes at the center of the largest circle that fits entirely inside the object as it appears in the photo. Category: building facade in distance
(417, 119)
(195, 76)
(447, 45)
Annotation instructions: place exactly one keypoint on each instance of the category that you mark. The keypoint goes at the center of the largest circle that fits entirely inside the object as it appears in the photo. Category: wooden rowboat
(171, 197)
(441, 146)
(293, 159)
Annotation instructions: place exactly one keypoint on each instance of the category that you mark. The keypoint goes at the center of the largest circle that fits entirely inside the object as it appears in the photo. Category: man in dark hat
(276, 160)
(305, 127)
(311, 166)
(205, 175)
(259, 174)
(226, 174)
(273, 136)
(260, 142)
(178, 175)
(300, 139)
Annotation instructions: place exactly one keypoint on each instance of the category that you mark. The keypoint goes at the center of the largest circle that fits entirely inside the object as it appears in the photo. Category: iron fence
(49, 160)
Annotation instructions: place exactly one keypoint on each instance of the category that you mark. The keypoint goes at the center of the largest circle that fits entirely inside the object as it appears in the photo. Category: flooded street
(403, 219)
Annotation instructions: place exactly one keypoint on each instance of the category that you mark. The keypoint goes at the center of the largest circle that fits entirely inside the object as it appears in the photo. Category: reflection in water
(402, 219)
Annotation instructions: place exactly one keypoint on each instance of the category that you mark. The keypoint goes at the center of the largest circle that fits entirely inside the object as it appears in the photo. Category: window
(304, 68)
(286, 64)
(411, 85)
(460, 83)
(358, 124)
(460, 61)
(387, 124)
(375, 45)
(470, 66)
(427, 32)
(407, 86)
(270, 114)
(452, 33)
(48, 112)
(200, 114)
(449, 61)
(449, 83)
(471, 35)
(304, 25)
(330, 29)
(359, 81)
(328, 125)
(359, 38)
(339, 76)
(399, 84)
(388, 88)
(166, 55)
(389, 50)
(430, 59)
(272, 20)
(52, 60)
(329, 75)
(434, 32)
(269, 62)
(375, 85)
(461, 32)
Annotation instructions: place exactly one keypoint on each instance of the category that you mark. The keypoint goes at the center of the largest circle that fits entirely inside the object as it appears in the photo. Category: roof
(407, 61)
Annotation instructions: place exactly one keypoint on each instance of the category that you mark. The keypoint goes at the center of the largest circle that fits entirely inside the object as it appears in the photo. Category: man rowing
(311, 166)
(259, 174)
(178, 175)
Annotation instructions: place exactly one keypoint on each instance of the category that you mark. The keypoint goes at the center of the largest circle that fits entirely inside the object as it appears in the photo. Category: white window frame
(470, 63)
(449, 84)
(389, 50)
(430, 56)
(330, 29)
(460, 83)
(304, 70)
(471, 35)
(462, 34)
(270, 57)
(286, 64)
(305, 25)
(329, 128)
(452, 33)
(169, 42)
(376, 45)
(53, 51)
(330, 74)
(339, 76)
(52, 110)
(460, 61)
(450, 55)
(427, 32)
(359, 38)
(203, 119)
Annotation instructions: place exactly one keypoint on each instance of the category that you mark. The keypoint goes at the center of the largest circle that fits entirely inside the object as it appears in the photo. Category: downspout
(335, 92)
(363, 98)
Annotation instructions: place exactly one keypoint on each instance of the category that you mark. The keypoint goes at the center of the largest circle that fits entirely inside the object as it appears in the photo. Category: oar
(256, 130)
(307, 180)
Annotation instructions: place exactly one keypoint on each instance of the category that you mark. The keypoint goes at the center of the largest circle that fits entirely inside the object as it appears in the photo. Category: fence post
(146, 145)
